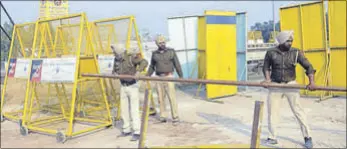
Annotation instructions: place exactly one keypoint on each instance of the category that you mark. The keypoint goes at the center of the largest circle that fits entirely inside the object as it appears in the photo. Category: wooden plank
(257, 119)
(144, 119)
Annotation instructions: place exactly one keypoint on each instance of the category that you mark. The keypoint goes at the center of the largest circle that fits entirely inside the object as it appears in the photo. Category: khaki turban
(283, 36)
(160, 39)
(133, 50)
(118, 48)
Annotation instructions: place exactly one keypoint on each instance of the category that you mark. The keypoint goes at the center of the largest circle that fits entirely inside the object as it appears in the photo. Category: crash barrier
(255, 141)
(16, 76)
(61, 50)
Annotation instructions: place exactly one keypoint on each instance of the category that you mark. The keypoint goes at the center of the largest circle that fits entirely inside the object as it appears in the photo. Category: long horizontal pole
(220, 82)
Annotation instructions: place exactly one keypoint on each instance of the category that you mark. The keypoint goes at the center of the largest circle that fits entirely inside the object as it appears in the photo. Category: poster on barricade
(53, 70)
(56, 70)
(12, 68)
(36, 70)
(105, 63)
(22, 68)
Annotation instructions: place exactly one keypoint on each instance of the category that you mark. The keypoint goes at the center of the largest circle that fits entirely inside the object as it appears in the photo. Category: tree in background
(5, 42)
(266, 28)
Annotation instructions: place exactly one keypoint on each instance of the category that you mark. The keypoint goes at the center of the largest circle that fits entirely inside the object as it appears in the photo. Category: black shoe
(135, 137)
(175, 121)
(308, 142)
(152, 113)
(125, 134)
(272, 141)
(163, 120)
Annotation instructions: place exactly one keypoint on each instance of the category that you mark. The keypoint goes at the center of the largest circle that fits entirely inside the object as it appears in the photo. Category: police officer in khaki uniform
(163, 62)
(280, 68)
(130, 63)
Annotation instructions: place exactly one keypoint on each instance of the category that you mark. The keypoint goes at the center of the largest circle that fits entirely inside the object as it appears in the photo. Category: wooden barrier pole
(220, 82)
(144, 119)
(256, 128)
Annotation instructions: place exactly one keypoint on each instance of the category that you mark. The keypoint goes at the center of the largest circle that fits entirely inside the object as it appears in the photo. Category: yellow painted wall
(313, 27)
(317, 59)
(337, 23)
(201, 47)
(288, 16)
(314, 41)
(337, 36)
(220, 53)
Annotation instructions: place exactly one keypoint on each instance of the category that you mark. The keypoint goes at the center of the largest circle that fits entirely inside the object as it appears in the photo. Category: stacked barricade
(51, 55)
(47, 58)
(15, 81)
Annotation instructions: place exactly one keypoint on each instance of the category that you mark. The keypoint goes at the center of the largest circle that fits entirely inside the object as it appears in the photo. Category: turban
(133, 50)
(117, 48)
(160, 39)
(283, 36)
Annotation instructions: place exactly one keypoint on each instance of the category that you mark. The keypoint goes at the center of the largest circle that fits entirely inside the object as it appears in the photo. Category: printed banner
(105, 63)
(36, 71)
(53, 8)
(12, 68)
(22, 68)
(58, 70)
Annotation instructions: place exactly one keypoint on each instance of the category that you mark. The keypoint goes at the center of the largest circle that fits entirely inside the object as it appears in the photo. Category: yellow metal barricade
(65, 38)
(13, 91)
(120, 30)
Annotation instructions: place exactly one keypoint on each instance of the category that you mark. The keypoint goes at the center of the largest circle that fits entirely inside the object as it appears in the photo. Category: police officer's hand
(311, 86)
(138, 74)
(265, 83)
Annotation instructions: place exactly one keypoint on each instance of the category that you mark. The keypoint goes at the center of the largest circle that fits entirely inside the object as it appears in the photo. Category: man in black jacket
(279, 67)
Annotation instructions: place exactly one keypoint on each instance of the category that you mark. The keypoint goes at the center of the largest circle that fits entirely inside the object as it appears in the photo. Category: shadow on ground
(238, 126)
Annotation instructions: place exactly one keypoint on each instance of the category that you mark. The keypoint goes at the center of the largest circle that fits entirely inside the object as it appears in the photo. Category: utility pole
(273, 19)
(9, 17)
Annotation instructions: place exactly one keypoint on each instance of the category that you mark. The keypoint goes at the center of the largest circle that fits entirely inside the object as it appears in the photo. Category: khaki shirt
(129, 65)
(164, 62)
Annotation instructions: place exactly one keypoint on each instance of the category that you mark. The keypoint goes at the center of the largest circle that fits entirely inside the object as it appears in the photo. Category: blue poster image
(36, 69)
(12, 67)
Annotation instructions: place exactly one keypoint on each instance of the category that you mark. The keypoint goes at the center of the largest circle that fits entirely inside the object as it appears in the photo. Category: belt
(127, 83)
(164, 73)
(285, 82)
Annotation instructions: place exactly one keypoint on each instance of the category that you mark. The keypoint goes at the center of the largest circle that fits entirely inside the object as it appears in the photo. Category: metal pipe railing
(220, 82)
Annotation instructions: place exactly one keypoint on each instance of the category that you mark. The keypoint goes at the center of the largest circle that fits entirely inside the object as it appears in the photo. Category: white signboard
(58, 70)
(256, 55)
(22, 68)
(105, 63)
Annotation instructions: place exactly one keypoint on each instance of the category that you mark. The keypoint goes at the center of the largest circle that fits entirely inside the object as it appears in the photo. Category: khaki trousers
(129, 102)
(274, 100)
(167, 89)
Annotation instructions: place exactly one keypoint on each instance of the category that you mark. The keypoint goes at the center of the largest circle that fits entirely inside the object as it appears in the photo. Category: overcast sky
(149, 14)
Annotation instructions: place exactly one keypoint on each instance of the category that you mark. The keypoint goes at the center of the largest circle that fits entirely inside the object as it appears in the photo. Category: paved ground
(227, 121)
